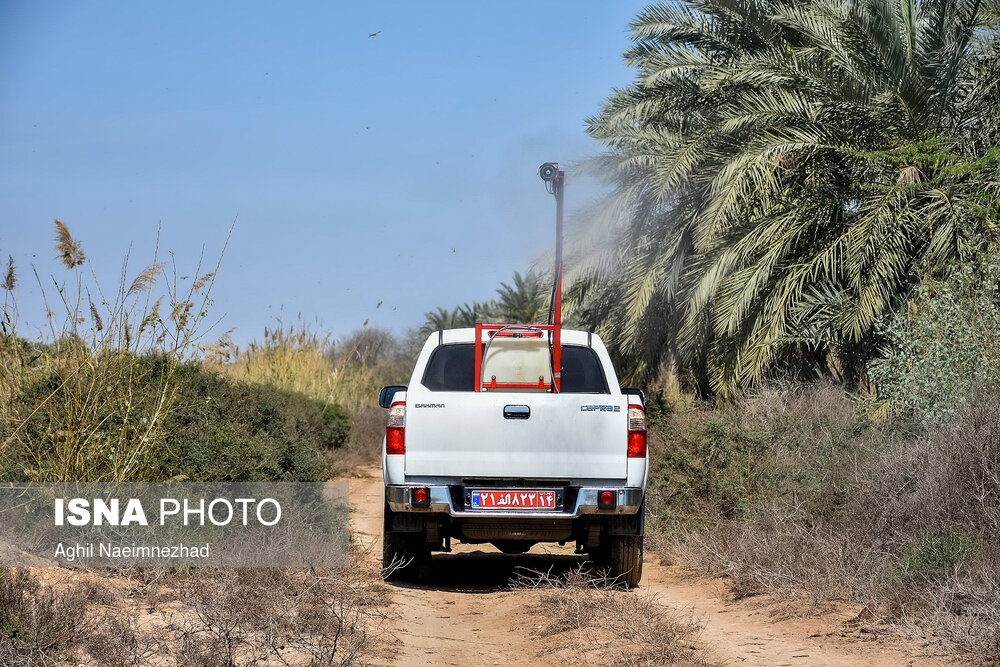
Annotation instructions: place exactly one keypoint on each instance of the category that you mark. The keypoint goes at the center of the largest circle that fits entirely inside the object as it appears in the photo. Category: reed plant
(84, 403)
(296, 357)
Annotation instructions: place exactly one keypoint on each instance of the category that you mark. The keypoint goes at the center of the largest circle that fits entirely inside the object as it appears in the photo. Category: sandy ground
(466, 614)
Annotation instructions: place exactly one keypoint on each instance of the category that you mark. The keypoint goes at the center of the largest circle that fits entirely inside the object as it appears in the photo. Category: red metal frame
(512, 331)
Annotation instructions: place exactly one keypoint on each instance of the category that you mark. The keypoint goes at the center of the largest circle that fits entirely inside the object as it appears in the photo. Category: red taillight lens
(420, 496)
(606, 499)
(395, 440)
(637, 444)
(395, 429)
(636, 432)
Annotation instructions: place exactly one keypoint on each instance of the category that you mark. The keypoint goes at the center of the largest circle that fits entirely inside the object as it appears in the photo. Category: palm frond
(782, 170)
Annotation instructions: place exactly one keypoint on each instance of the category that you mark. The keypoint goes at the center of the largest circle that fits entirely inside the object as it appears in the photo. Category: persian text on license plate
(521, 500)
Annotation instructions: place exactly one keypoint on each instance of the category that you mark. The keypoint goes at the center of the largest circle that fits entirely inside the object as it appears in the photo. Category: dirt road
(465, 613)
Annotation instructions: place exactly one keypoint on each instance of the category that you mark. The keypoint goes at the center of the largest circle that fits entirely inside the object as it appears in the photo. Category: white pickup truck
(539, 453)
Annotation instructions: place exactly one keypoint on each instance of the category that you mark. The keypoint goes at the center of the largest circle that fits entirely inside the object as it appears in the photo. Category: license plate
(513, 500)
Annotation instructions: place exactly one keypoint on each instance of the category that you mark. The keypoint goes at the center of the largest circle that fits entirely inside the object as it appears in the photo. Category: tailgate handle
(516, 412)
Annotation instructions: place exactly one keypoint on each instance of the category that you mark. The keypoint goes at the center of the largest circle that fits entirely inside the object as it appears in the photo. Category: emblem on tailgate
(600, 408)
(429, 405)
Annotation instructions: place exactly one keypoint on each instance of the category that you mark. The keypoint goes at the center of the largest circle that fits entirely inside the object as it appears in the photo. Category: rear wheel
(623, 557)
(403, 553)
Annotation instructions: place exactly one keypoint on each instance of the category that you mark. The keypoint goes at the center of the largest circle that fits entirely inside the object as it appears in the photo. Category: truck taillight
(636, 432)
(636, 418)
(395, 429)
(421, 497)
(637, 444)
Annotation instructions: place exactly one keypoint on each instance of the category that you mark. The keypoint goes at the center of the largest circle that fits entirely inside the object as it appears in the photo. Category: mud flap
(625, 525)
(405, 522)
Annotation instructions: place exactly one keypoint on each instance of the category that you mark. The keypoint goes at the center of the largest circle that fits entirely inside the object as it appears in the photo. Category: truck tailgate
(468, 435)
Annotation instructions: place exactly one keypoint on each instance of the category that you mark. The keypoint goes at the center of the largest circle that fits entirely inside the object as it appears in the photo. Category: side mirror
(387, 394)
(637, 392)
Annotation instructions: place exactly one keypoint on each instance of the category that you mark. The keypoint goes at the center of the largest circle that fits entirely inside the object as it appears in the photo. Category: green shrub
(945, 344)
(215, 428)
(78, 413)
(933, 554)
(225, 430)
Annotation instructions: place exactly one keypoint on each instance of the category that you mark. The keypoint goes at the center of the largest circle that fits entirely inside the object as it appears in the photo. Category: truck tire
(624, 558)
(403, 553)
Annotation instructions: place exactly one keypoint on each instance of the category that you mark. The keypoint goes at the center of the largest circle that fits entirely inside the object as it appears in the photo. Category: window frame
(434, 352)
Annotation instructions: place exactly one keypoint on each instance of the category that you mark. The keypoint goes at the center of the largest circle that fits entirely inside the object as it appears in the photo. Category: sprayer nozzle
(548, 171)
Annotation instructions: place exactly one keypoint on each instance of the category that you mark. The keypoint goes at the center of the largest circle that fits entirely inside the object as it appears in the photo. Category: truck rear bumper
(442, 502)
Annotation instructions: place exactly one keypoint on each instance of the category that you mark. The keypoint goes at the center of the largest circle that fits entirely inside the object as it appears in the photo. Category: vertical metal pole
(557, 188)
(479, 357)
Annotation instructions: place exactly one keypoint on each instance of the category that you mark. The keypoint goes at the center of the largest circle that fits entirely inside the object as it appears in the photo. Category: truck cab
(514, 435)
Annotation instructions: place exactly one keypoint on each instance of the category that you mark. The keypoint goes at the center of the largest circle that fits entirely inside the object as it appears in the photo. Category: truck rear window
(453, 368)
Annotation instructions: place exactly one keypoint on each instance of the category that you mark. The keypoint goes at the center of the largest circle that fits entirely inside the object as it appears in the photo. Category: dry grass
(249, 617)
(39, 626)
(601, 623)
(367, 431)
(794, 492)
(193, 618)
(299, 359)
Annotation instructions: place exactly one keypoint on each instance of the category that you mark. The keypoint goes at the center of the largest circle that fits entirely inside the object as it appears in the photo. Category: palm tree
(478, 311)
(783, 170)
(440, 319)
(526, 301)
(466, 315)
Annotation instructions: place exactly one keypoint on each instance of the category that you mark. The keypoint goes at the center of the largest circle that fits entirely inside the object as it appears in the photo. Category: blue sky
(397, 168)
